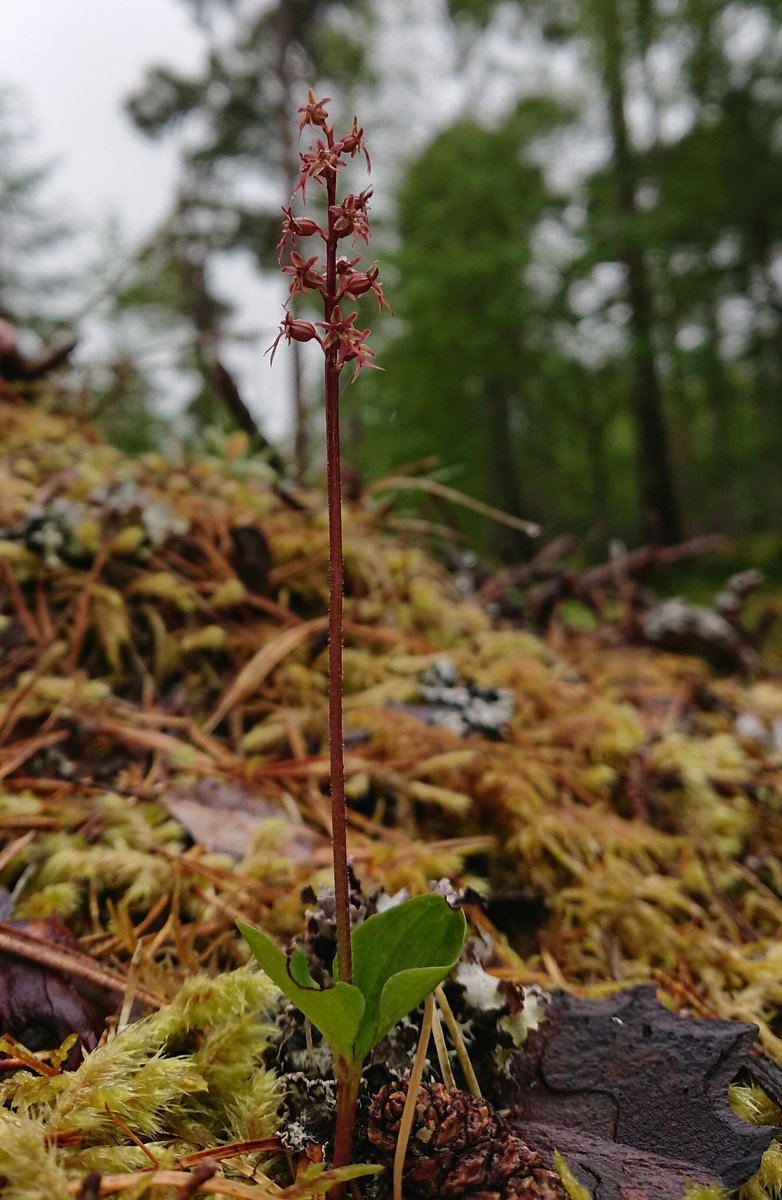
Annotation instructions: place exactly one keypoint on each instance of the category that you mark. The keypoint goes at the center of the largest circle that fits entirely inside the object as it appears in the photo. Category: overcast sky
(73, 62)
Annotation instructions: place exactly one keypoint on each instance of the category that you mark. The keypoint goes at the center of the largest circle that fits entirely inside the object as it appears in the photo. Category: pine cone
(459, 1147)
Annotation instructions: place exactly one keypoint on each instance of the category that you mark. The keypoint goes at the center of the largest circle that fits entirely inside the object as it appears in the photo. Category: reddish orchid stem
(348, 1085)
(336, 631)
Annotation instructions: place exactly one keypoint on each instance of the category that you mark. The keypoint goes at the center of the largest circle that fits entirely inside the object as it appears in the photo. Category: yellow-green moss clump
(181, 1079)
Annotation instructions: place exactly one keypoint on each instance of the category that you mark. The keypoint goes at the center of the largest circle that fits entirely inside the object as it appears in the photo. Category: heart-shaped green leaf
(399, 956)
(335, 1011)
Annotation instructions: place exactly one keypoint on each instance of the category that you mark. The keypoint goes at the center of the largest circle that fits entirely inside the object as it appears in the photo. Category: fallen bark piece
(608, 1170)
(636, 1097)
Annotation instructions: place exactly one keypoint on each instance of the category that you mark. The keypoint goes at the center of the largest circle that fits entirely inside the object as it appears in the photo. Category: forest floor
(163, 772)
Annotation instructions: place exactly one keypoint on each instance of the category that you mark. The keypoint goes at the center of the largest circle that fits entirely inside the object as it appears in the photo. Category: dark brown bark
(206, 317)
(508, 492)
(226, 387)
(659, 510)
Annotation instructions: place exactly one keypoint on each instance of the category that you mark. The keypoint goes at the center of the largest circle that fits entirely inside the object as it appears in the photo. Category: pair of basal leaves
(399, 957)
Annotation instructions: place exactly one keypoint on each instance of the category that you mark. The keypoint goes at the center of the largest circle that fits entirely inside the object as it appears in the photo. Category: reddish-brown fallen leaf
(636, 1097)
(40, 1007)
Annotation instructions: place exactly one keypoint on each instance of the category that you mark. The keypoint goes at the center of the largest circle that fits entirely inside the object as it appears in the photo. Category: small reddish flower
(358, 283)
(351, 216)
(294, 330)
(341, 341)
(345, 265)
(318, 163)
(353, 142)
(293, 227)
(341, 335)
(303, 275)
(314, 112)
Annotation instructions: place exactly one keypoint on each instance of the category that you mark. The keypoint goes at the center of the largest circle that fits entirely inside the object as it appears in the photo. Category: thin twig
(70, 962)
(19, 752)
(400, 484)
(266, 1145)
(12, 849)
(149, 1179)
(198, 1176)
(20, 1053)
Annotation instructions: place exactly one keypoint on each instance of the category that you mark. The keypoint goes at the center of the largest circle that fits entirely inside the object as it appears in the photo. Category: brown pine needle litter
(628, 827)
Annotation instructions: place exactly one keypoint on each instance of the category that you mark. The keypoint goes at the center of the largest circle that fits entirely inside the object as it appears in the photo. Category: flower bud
(300, 331)
(305, 227)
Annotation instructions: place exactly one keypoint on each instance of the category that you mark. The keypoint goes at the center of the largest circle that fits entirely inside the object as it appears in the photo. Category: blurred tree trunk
(506, 467)
(206, 315)
(659, 509)
(289, 161)
(720, 409)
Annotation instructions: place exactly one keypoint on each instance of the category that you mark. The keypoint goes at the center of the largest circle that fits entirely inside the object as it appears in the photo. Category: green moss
(185, 1078)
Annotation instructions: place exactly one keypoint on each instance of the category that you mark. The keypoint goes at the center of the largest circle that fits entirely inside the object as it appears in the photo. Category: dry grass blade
(260, 665)
(442, 1051)
(458, 1041)
(154, 741)
(413, 1084)
(14, 755)
(398, 483)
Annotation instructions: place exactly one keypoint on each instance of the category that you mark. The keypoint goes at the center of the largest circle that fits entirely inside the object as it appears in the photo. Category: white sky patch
(734, 318)
(747, 31)
(74, 61)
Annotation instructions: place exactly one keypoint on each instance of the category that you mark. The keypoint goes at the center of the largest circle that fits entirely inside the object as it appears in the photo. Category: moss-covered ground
(163, 770)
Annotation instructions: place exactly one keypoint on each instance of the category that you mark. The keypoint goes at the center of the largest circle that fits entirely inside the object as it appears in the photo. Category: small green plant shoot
(390, 963)
(399, 957)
